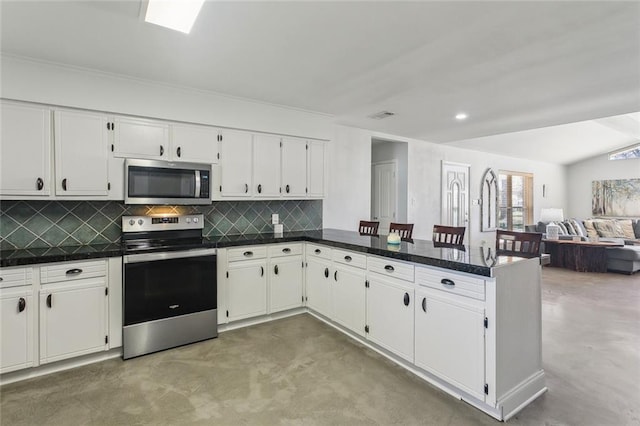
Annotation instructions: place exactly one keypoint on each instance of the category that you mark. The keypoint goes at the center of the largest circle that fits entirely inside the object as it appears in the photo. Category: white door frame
(394, 163)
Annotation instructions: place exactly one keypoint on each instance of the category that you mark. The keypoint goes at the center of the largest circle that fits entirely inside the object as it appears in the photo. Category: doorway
(389, 176)
(455, 195)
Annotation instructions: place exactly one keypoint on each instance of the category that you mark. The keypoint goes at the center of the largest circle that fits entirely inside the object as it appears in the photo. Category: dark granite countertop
(474, 260)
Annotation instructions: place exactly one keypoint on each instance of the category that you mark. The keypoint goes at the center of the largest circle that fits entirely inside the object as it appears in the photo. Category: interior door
(384, 195)
(455, 195)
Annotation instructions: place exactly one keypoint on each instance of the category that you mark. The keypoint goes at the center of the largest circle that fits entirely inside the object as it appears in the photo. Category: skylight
(630, 152)
(177, 15)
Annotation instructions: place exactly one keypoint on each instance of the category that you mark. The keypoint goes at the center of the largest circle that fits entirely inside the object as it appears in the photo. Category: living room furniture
(368, 227)
(581, 256)
(448, 234)
(405, 230)
(518, 242)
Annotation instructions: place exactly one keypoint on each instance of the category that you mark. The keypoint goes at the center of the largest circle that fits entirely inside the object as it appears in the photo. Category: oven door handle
(166, 255)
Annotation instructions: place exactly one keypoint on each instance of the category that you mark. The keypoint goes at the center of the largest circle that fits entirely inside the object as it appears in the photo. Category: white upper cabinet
(266, 166)
(194, 144)
(235, 159)
(315, 169)
(140, 138)
(80, 153)
(25, 149)
(294, 168)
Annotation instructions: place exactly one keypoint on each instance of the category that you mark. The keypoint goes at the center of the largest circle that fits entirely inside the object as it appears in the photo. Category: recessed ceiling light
(461, 116)
(177, 15)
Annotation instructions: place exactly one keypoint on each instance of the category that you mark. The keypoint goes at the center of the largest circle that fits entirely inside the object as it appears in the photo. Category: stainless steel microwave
(166, 182)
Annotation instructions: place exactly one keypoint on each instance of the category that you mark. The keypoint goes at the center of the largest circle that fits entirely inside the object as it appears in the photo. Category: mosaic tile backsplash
(40, 224)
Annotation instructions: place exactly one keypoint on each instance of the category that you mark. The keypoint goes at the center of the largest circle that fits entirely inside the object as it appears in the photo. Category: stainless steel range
(170, 291)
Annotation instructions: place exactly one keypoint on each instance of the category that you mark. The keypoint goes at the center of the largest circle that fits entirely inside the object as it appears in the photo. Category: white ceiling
(511, 66)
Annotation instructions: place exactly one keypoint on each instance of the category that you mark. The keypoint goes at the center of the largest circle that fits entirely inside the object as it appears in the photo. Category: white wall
(349, 199)
(580, 176)
(65, 86)
(398, 152)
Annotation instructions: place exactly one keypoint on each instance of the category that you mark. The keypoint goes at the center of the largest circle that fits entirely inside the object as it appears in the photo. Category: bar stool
(448, 234)
(405, 230)
(369, 227)
(513, 242)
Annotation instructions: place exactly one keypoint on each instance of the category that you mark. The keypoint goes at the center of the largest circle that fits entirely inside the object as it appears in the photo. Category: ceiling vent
(382, 114)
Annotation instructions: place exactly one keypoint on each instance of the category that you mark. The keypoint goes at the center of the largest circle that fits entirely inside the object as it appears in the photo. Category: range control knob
(140, 221)
(132, 222)
(195, 220)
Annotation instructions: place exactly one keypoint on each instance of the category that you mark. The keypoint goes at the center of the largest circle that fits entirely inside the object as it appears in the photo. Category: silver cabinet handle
(74, 271)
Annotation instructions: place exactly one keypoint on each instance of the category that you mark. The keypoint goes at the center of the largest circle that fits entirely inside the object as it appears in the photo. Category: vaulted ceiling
(511, 66)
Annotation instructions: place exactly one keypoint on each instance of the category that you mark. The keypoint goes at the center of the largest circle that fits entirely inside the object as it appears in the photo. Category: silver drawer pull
(74, 271)
(348, 258)
(286, 250)
(447, 281)
(248, 253)
(317, 251)
(389, 268)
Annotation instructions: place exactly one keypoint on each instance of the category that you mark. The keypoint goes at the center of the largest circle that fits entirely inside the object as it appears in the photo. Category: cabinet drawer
(246, 253)
(69, 271)
(14, 277)
(391, 268)
(451, 283)
(294, 249)
(318, 251)
(350, 258)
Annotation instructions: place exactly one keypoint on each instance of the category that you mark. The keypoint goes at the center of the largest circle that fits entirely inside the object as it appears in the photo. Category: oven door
(168, 284)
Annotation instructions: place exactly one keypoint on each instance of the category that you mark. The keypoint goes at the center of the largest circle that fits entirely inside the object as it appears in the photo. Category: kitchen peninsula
(463, 318)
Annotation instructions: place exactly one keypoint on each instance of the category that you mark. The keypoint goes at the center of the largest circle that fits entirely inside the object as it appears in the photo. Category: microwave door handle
(197, 195)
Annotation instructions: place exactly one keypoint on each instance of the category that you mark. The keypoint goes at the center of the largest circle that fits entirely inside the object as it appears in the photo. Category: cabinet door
(319, 286)
(235, 164)
(25, 149)
(138, 138)
(266, 166)
(81, 153)
(390, 315)
(348, 298)
(294, 168)
(315, 169)
(16, 329)
(450, 339)
(285, 285)
(247, 290)
(72, 319)
(196, 144)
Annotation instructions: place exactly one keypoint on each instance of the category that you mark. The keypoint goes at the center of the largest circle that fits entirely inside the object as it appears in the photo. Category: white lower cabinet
(348, 298)
(450, 344)
(16, 328)
(285, 277)
(390, 315)
(73, 319)
(246, 289)
(318, 285)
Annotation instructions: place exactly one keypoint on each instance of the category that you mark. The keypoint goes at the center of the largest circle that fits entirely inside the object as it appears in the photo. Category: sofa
(624, 259)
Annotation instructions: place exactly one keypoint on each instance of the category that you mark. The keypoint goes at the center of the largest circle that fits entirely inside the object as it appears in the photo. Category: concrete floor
(299, 371)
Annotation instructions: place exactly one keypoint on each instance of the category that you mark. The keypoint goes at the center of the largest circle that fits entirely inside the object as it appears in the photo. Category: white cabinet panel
(72, 319)
(196, 144)
(16, 328)
(235, 164)
(449, 339)
(390, 315)
(25, 149)
(315, 169)
(318, 285)
(348, 298)
(266, 166)
(246, 289)
(140, 138)
(294, 168)
(81, 140)
(285, 283)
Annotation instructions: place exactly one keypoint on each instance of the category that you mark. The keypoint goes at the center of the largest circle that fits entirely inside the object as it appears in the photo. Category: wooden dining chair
(368, 227)
(405, 230)
(513, 242)
(448, 234)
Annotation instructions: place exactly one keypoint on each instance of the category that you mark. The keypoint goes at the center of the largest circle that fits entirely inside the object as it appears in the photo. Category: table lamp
(551, 216)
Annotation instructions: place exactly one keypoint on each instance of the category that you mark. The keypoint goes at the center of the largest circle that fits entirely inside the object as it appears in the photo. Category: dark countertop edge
(89, 253)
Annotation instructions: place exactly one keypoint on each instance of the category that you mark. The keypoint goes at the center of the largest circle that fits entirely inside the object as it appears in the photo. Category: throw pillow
(636, 228)
(591, 230)
(577, 224)
(624, 228)
(606, 228)
(567, 224)
(563, 229)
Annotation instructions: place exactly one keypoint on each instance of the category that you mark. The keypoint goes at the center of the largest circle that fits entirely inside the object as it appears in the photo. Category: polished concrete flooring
(300, 371)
